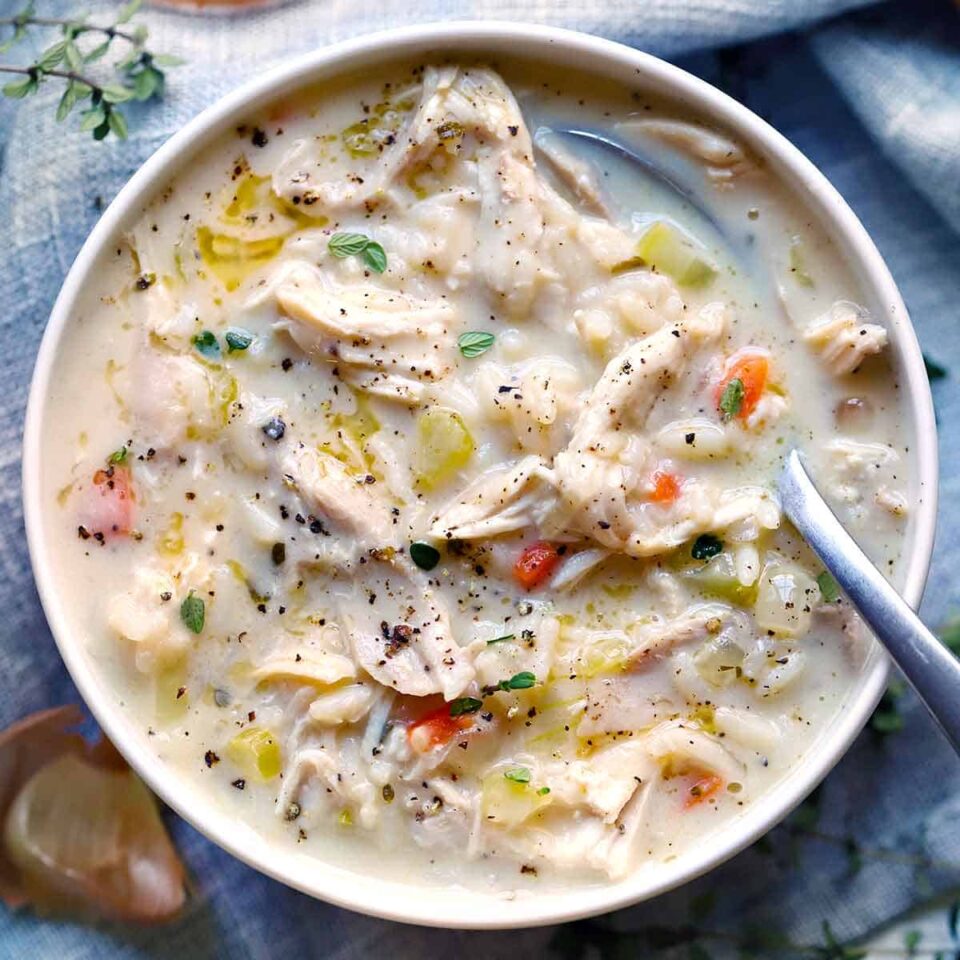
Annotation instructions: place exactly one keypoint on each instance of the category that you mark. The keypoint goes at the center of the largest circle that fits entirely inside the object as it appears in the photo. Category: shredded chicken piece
(382, 342)
(844, 338)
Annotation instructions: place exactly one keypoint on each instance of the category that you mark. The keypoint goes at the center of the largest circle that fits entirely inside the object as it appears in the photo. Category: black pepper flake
(690, 437)
(259, 138)
(239, 784)
(210, 758)
(278, 553)
(274, 428)
(83, 533)
(286, 363)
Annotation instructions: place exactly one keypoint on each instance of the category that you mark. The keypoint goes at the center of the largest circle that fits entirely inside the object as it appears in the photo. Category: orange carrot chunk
(535, 564)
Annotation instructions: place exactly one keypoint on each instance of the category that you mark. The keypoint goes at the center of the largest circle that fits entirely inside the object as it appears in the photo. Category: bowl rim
(431, 905)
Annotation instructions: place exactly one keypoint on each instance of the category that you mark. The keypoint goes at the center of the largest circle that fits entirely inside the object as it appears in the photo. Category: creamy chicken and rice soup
(412, 467)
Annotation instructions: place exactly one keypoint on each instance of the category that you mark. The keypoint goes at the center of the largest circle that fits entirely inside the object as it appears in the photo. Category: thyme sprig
(137, 76)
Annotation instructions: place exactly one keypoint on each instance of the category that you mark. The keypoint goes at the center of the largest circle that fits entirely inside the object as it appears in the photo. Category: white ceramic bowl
(445, 906)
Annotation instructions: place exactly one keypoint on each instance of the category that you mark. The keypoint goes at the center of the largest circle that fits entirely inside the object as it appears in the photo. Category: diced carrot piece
(751, 366)
(702, 789)
(436, 728)
(108, 509)
(666, 487)
(535, 564)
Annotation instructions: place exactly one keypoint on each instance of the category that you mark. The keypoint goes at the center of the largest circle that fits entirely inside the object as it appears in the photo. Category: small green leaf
(73, 55)
(474, 342)
(375, 257)
(97, 52)
(517, 775)
(731, 399)
(463, 705)
(52, 56)
(425, 556)
(148, 83)
(93, 118)
(168, 60)
(519, 681)
(18, 89)
(347, 244)
(114, 93)
(118, 456)
(207, 344)
(506, 636)
(101, 132)
(118, 124)
(543, 791)
(140, 34)
(828, 587)
(706, 546)
(237, 339)
(128, 11)
(193, 612)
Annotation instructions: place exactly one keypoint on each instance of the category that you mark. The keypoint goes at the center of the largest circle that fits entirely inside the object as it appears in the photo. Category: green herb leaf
(93, 118)
(474, 342)
(828, 587)
(237, 339)
(168, 60)
(517, 775)
(114, 93)
(97, 52)
(73, 56)
(193, 612)
(52, 56)
(67, 102)
(425, 556)
(118, 124)
(935, 371)
(506, 636)
(731, 400)
(207, 344)
(519, 681)
(347, 244)
(375, 257)
(543, 791)
(147, 82)
(128, 11)
(463, 705)
(118, 456)
(706, 546)
(18, 89)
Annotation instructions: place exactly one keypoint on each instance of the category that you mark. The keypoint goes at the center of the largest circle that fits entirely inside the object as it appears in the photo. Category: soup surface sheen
(412, 467)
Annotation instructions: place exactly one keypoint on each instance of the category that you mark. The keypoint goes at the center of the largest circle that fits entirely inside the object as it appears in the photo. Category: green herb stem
(75, 28)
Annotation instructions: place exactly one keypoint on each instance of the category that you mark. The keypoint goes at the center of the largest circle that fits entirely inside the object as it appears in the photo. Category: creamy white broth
(668, 692)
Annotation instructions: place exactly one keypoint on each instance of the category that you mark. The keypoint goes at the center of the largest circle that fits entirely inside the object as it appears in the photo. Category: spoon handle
(929, 666)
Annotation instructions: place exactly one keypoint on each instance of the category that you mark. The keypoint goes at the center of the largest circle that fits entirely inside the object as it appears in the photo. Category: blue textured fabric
(873, 98)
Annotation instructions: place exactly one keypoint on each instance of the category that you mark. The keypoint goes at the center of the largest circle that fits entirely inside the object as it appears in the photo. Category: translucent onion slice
(82, 835)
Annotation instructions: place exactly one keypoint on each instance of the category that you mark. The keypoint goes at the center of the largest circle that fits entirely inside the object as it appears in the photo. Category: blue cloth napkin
(872, 96)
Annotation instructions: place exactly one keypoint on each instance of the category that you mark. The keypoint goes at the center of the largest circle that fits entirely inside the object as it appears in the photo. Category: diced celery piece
(507, 803)
(256, 752)
(719, 660)
(667, 249)
(785, 600)
(718, 578)
(798, 262)
(444, 446)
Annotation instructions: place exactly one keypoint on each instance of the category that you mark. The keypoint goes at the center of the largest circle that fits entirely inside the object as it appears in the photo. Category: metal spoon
(931, 669)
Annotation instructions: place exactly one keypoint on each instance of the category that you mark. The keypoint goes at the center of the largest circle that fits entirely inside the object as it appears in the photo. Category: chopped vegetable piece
(444, 446)
(828, 587)
(207, 344)
(706, 546)
(785, 598)
(506, 636)
(464, 705)
(535, 564)
(752, 368)
(798, 263)
(436, 728)
(518, 775)
(507, 803)
(257, 753)
(543, 791)
(475, 342)
(719, 578)
(237, 340)
(193, 612)
(731, 400)
(425, 556)
(666, 487)
(669, 250)
(519, 681)
(118, 456)
(704, 788)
